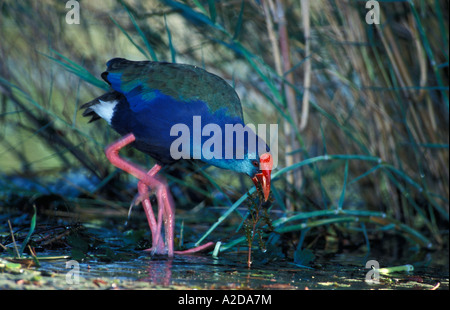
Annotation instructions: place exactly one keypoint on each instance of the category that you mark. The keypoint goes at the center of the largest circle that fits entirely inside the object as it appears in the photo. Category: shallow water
(109, 261)
(229, 271)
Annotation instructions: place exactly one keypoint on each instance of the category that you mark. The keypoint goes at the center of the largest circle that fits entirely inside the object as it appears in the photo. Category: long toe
(198, 249)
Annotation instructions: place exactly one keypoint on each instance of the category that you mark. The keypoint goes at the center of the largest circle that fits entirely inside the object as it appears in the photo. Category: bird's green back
(180, 81)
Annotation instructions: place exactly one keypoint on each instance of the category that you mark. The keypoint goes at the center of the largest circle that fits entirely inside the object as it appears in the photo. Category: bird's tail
(89, 112)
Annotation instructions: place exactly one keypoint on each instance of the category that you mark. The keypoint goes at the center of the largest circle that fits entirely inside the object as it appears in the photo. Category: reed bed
(362, 108)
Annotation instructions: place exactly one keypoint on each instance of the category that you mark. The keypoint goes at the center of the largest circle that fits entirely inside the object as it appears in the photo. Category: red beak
(263, 178)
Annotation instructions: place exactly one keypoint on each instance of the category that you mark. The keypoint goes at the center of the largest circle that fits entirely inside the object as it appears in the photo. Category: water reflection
(181, 269)
(160, 271)
(229, 271)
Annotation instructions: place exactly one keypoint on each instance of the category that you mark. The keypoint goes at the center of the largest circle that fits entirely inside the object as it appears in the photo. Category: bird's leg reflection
(160, 272)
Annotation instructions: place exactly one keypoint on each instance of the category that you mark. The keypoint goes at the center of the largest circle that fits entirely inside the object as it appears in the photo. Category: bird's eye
(255, 163)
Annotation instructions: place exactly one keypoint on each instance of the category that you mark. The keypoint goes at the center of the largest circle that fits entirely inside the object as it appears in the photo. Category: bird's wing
(144, 80)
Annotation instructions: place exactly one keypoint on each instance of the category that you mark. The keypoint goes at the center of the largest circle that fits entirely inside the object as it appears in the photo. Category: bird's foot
(200, 248)
(158, 250)
(162, 250)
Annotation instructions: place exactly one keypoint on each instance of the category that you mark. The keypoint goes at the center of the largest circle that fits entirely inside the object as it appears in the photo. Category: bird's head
(262, 173)
(257, 162)
(257, 167)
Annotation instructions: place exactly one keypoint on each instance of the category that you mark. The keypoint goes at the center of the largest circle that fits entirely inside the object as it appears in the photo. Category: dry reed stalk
(307, 72)
(269, 11)
(272, 37)
(284, 65)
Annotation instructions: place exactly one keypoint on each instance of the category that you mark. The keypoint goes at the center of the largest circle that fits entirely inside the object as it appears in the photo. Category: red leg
(165, 201)
(158, 246)
(155, 226)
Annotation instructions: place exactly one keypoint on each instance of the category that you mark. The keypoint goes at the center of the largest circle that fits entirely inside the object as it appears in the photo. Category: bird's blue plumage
(153, 97)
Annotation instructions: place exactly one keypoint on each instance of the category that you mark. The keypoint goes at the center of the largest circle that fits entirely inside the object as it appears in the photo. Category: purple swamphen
(146, 102)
